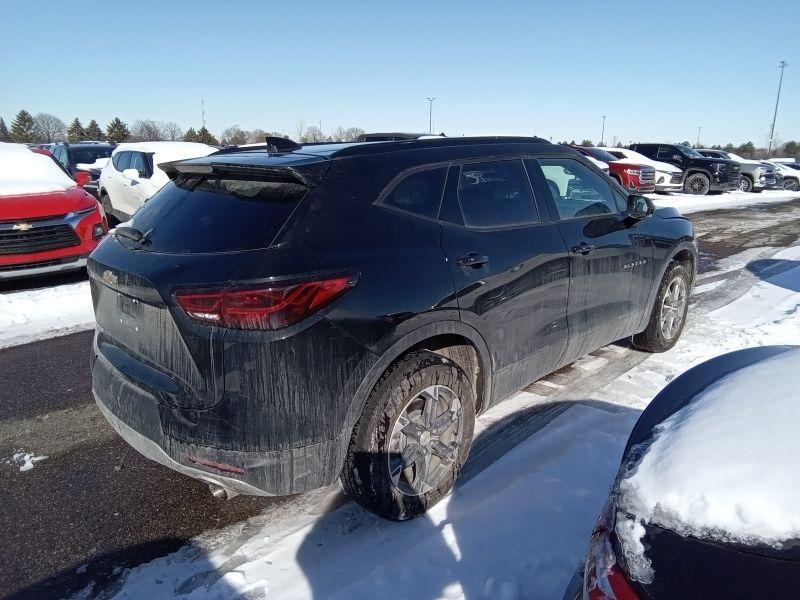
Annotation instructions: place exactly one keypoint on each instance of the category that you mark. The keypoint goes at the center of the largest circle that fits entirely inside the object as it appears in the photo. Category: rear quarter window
(211, 214)
(418, 193)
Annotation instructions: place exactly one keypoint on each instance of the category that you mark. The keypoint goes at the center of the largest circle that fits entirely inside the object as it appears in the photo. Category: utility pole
(603, 133)
(783, 64)
(203, 111)
(430, 115)
(697, 143)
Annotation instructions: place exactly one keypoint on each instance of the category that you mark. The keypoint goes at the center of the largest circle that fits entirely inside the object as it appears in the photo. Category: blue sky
(657, 70)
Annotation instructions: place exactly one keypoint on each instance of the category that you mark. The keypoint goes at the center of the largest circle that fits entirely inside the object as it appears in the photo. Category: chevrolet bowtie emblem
(22, 227)
(110, 277)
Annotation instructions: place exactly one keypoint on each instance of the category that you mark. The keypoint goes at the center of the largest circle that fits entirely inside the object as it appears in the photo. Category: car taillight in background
(262, 308)
(603, 578)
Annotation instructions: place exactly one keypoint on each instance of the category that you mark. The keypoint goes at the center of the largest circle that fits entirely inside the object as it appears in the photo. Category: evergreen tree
(205, 137)
(117, 131)
(190, 135)
(93, 131)
(75, 132)
(23, 129)
(4, 136)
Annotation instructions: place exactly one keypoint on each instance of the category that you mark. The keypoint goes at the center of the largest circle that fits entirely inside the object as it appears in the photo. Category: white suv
(132, 175)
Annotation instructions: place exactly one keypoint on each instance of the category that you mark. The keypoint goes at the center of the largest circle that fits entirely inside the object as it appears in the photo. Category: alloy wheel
(673, 308)
(791, 184)
(425, 440)
(697, 184)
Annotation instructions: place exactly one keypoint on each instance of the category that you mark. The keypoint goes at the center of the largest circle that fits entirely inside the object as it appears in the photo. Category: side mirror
(131, 174)
(83, 178)
(639, 207)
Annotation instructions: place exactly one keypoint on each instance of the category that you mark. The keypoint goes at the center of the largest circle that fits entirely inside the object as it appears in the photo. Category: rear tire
(668, 316)
(791, 184)
(105, 202)
(697, 184)
(403, 420)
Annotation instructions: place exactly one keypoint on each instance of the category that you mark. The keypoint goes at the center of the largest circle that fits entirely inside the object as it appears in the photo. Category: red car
(48, 222)
(632, 176)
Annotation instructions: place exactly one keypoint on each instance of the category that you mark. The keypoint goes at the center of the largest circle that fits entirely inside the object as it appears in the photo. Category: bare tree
(313, 135)
(145, 130)
(256, 136)
(50, 128)
(300, 128)
(233, 136)
(171, 131)
(351, 134)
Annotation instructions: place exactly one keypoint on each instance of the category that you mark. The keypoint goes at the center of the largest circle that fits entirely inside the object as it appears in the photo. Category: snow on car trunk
(724, 467)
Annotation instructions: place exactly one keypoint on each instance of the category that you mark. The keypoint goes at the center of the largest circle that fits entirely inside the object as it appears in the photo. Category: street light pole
(603, 132)
(697, 143)
(430, 115)
(783, 64)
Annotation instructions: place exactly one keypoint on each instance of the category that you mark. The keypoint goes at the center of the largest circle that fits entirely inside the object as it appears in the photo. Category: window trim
(554, 207)
(402, 176)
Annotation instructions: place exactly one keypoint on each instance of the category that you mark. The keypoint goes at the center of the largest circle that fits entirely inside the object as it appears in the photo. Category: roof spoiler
(277, 174)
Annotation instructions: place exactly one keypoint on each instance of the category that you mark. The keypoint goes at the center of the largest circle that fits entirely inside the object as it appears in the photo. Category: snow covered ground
(517, 529)
(687, 203)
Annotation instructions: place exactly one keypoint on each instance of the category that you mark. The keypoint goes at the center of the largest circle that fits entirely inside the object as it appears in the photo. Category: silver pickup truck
(756, 175)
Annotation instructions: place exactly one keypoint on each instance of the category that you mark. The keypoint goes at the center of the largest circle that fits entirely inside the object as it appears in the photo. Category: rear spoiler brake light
(277, 174)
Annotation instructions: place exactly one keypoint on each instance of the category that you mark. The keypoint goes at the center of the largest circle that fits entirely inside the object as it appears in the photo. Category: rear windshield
(202, 214)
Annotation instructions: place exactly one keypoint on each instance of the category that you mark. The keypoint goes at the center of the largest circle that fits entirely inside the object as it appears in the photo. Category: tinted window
(667, 152)
(496, 194)
(88, 155)
(214, 214)
(600, 154)
(419, 193)
(138, 163)
(122, 160)
(577, 190)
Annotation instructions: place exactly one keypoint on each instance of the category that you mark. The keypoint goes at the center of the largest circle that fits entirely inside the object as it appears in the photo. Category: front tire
(746, 184)
(668, 316)
(697, 183)
(105, 202)
(413, 437)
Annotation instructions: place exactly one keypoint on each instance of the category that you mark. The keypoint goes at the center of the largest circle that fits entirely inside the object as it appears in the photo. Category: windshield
(687, 151)
(601, 154)
(89, 155)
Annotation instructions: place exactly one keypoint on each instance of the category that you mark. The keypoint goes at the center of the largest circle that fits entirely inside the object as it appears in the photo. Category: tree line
(46, 128)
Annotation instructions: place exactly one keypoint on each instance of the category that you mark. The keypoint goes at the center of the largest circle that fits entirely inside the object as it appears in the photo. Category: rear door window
(496, 194)
(419, 193)
(138, 163)
(207, 214)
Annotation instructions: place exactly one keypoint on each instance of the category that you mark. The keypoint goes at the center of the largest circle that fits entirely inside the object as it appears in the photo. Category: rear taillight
(603, 578)
(267, 307)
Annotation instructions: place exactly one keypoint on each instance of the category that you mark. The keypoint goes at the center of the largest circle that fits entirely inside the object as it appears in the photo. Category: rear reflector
(262, 308)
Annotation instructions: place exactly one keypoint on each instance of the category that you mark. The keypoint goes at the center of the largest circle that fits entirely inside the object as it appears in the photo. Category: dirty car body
(434, 244)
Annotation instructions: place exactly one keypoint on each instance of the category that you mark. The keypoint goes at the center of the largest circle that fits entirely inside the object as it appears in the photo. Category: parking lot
(91, 507)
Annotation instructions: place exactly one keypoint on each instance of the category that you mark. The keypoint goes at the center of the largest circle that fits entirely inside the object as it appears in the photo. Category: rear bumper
(142, 421)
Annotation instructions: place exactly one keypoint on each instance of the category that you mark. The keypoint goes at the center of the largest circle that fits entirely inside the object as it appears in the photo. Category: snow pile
(26, 460)
(24, 172)
(689, 203)
(99, 163)
(725, 466)
(31, 315)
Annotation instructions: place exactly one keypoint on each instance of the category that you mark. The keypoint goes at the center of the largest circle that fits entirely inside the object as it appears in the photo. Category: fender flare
(411, 339)
(684, 244)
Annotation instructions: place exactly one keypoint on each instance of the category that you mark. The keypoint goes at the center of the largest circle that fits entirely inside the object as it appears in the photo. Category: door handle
(582, 248)
(472, 260)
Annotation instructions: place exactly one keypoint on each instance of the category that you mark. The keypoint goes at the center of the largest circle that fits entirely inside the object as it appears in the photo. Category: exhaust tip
(221, 493)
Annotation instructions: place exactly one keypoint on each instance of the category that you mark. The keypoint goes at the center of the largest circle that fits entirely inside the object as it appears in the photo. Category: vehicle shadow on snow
(487, 541)
(776, 271)
(88, 580)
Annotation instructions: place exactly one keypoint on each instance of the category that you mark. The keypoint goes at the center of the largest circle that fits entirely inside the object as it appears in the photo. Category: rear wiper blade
(133, 234)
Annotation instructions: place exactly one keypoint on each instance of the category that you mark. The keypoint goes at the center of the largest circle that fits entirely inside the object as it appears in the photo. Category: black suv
(701, 175)
(278, 317)
(83, 153)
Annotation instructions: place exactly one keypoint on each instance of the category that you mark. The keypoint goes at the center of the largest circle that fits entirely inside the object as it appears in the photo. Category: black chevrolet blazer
(281, 316)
